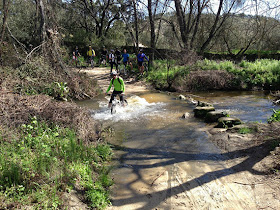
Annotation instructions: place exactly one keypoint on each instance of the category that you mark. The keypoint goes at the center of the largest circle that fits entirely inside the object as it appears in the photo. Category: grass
(245, 130)
(164, 72)
(47, 160)
(249, 52)
(275, 116)
(264, 73)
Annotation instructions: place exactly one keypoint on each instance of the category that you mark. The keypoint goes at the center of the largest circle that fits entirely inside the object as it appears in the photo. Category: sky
(264, 7)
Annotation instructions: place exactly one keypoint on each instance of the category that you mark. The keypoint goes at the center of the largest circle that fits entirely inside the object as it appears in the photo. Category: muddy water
(166, 162)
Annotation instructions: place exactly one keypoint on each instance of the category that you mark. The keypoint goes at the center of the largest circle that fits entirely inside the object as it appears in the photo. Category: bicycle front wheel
(113, 109)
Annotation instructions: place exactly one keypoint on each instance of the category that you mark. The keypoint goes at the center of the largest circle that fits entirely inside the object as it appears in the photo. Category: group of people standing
(114, 58)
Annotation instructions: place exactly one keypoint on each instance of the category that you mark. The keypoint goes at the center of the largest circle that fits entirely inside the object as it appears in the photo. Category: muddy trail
(164, 162)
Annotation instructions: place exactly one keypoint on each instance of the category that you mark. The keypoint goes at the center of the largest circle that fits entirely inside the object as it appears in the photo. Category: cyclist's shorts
(140, 63)
(114, 94)
(125, 63)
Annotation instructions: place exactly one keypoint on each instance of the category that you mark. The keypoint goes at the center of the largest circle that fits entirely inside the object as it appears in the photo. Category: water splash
(137, 107)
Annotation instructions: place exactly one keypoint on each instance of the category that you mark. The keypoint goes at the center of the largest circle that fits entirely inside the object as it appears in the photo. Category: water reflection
(249, 106)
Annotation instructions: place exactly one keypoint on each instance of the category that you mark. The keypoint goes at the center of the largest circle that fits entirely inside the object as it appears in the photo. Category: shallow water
(155, 138)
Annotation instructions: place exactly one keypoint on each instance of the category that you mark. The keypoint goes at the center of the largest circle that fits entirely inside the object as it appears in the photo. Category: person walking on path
(112, 60)
(125, 57)
(118, 59)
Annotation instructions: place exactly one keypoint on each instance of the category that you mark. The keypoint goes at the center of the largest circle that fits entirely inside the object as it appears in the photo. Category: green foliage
(275, 116)
(245, 130)
(261, 73)
(45, 161)
(58, 90)
(164, 73)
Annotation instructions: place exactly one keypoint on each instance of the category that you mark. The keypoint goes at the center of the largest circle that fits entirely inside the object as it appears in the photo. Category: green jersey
(118, 84)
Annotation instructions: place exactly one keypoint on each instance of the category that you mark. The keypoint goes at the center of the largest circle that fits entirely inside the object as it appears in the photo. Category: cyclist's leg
(111, 100)
(122, 100)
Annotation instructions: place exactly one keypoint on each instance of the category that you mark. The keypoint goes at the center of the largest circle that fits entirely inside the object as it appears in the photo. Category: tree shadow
(253, 155)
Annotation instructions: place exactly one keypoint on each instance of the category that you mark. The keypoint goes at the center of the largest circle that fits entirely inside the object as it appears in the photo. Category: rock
(213, 116)
(181, 97)
(203, 104)
(214, 131)
(201, 112)
(186, 115)
(191, 100)
(225, 122)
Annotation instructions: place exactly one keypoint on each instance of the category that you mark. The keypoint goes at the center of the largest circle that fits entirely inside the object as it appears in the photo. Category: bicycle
(146, 67)
(116, 102)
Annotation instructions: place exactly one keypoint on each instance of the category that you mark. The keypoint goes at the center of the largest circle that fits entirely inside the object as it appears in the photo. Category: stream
(163, 161)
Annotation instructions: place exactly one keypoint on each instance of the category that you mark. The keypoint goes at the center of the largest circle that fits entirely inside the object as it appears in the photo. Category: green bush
(275, 116)
(47, 160)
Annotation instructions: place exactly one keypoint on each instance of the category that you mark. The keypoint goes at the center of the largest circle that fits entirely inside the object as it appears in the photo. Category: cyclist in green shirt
(119, 88)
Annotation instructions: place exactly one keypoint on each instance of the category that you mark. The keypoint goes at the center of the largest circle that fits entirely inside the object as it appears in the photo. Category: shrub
(275, 116)
(45, 161)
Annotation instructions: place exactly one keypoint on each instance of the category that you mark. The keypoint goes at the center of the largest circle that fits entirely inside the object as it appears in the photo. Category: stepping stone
(201, 112)
(225, 122)
(213, 116)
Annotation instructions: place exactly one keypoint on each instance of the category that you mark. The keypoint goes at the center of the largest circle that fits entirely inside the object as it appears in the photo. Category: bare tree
(103, 12)
(189, 15)
(50, 41)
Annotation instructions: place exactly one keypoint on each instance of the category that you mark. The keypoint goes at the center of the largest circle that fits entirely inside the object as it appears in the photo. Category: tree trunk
(182, 23)
(153, 34)
(136, 45)
(6, 4)
(213, 29)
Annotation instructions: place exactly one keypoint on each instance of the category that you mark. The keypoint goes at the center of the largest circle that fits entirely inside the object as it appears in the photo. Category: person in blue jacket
(140, 59)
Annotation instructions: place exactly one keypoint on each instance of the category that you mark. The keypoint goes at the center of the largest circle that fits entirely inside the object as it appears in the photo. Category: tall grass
(46, 161)
(264, 73)
(164, 72)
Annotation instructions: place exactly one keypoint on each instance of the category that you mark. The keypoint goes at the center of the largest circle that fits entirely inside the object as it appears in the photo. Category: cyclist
(119, 88)
(140, 59)
(91, 55)
(103, 59)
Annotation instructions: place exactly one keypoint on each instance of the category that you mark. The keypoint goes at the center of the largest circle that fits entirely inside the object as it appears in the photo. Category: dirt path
(235, 181)
(102, 75)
